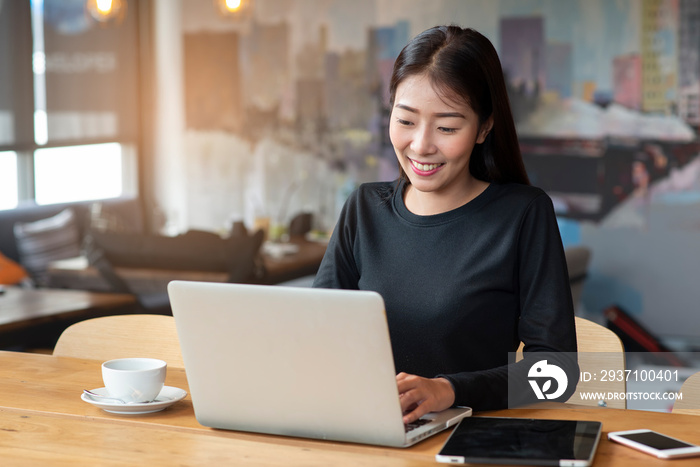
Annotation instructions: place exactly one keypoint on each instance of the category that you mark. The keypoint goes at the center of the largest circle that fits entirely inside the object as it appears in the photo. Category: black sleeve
(338, 269)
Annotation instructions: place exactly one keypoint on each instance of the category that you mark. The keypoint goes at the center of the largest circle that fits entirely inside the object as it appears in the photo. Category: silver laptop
(291, 361)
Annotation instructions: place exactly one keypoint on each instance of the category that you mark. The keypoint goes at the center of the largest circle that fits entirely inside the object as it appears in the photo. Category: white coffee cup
(134, 379)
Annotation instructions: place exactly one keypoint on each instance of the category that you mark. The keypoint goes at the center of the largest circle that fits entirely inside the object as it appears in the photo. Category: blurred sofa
(35, 235)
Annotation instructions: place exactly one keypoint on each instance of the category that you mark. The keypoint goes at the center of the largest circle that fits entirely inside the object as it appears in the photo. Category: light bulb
(233, 5)
(104, 6)
(107, 10)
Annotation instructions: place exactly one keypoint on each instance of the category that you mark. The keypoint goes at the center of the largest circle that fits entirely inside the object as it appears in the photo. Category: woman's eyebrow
(407, 108)
(439, 114)
(449, 114)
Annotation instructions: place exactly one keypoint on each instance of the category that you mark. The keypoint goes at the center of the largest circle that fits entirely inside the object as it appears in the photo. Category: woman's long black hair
(462, 63)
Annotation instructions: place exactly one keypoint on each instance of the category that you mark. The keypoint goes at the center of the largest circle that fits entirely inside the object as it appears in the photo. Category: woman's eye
(447, 130)
(403, 122)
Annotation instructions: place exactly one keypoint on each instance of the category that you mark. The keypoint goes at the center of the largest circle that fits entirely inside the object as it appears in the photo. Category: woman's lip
(422, 172)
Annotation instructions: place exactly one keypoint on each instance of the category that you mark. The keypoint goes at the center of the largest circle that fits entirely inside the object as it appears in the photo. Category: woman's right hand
(420, 396)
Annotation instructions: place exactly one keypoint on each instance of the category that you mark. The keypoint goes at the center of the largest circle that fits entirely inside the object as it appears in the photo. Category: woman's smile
(426, 169)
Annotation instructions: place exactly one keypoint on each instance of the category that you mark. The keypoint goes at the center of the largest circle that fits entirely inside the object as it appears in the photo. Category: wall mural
(606, 96)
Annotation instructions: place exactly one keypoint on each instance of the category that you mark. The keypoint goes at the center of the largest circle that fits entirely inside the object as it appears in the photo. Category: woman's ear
(485, 129)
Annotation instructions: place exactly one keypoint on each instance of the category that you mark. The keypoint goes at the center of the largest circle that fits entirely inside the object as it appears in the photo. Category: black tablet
(522, 441)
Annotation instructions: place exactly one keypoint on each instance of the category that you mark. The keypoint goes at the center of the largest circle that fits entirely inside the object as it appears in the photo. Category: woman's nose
(422, 142)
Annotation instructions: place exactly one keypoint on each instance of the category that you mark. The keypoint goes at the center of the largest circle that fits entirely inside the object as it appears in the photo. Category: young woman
(466, 254)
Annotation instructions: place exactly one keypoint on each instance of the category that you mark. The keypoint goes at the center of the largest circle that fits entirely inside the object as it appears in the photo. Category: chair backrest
(301, 224)
(577, 261)
(122, 336)
(599, 349)
(690, 403)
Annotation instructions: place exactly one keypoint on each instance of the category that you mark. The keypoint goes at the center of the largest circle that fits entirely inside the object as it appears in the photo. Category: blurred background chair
(122, 336)
(690, 403)
(598, 349)
(578, 259)
(300, 224)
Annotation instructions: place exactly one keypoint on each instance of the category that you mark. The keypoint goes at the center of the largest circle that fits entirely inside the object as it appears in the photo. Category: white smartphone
(654, 443)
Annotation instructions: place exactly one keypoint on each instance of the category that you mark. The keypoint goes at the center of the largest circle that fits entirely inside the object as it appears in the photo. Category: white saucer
(167, 397)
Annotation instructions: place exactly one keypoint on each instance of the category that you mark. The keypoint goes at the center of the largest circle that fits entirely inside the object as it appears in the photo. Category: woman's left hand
(419, 396)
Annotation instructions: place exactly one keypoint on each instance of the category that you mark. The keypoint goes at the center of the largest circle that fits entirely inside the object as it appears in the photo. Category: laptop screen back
(291, 361)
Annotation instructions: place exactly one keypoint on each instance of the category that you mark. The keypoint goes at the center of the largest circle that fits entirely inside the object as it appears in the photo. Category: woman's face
(433, 137)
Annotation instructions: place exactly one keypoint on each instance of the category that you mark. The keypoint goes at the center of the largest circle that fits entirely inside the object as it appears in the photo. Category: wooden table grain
(36, 317)
(22, 308)
(44, 421)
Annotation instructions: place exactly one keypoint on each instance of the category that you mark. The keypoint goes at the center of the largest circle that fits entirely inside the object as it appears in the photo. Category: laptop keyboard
(413, 425)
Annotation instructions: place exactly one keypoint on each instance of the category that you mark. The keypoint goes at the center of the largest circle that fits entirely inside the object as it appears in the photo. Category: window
(8, 180)
(78, 173)
(7, 77)
(68, 103)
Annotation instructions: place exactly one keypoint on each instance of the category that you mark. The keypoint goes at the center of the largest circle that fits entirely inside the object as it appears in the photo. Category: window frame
(22, 108)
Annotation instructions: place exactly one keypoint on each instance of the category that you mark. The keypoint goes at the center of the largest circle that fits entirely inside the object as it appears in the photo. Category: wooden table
(77, 273)
(25, 312)
(44, 421)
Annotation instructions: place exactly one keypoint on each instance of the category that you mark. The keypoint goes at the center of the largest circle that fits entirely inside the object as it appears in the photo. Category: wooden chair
(690, 404)
(599, 350)
(122, 336)
(301, 224)
(577, 260)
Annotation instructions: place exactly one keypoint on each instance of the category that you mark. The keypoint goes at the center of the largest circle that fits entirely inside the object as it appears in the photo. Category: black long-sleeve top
(462, 288)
